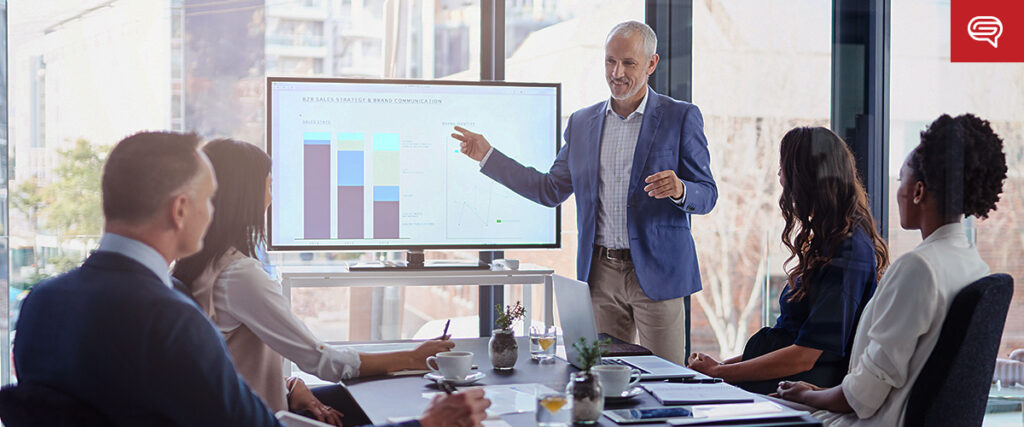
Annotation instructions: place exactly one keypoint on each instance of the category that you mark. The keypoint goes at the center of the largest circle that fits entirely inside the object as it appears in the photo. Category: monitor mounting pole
(414, 258)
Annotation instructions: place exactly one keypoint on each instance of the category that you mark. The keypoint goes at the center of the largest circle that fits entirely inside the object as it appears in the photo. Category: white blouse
(243, 293)
(901, 324)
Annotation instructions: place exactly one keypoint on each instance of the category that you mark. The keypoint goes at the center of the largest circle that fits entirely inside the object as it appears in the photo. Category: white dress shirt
(243, 293)
(901, 324)
(138, 251)
(618, 144)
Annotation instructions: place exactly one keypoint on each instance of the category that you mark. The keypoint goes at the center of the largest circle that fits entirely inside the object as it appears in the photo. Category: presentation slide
(360, 165)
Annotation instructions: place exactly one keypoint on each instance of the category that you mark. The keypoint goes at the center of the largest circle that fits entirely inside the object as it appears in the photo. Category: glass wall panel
(752, 83)
(8, 306)
(924, 85)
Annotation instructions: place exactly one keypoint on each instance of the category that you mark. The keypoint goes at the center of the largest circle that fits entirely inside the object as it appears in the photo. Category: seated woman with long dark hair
(958, 169)
(246, 305)
(839, 256)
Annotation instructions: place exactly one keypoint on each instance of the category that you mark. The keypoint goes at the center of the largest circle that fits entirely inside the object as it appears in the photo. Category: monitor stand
(414, 261)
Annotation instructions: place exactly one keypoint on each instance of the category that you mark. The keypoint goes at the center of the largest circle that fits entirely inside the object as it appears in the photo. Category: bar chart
(351, 188)
(386, 179)
(316, 193)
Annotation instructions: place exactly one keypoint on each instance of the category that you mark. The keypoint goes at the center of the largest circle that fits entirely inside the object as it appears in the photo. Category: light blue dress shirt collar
(639, 109)
(138, 251)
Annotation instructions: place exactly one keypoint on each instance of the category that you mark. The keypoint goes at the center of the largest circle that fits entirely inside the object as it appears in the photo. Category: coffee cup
(616, 379)
(452, 365)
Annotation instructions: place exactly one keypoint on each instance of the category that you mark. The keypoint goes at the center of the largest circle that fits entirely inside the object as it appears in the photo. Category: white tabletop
(343, 269)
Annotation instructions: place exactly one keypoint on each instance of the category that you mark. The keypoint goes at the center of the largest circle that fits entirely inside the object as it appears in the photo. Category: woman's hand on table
(796, 391)
(704, 364)
(302, 399)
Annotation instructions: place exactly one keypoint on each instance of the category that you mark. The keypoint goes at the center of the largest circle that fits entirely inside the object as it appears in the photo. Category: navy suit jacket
(111, 334)
(671, 137)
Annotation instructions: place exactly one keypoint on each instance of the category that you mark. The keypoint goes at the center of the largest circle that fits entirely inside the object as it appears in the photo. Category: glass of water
(542, 342)
(553, 409)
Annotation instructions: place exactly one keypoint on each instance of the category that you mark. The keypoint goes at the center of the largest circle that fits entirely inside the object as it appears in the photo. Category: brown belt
(615, 254)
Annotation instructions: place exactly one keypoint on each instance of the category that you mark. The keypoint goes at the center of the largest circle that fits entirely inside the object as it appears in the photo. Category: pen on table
(446, 386)
(444, 334)
(693, 380)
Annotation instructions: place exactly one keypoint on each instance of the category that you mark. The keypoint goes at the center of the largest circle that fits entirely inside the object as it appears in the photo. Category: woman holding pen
(246, 305)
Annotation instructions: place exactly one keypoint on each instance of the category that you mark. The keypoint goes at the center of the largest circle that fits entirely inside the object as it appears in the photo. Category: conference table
(385, 399)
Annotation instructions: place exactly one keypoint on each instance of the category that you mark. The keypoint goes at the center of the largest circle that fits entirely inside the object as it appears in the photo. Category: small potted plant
(584, 387)
(503, 348)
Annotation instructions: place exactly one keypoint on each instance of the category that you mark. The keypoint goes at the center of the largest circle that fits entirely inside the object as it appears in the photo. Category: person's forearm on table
(829, 399)
(780, 363)
(372, 364)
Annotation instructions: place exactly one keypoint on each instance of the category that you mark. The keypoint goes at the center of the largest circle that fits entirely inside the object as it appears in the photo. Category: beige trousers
(623, 311)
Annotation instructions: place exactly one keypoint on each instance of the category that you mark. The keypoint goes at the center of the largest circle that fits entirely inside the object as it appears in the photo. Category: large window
(925, 84)
(752, 83)
(86, 74)
(195, 65)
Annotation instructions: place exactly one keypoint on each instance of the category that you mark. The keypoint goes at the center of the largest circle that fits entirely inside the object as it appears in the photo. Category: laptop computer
(577, 320)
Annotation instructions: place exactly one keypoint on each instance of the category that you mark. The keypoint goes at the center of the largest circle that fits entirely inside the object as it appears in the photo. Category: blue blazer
(660, 243)
(112, 335)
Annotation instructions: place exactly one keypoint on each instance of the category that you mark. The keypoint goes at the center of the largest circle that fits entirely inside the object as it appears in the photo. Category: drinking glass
(553, 409)
(542, 343)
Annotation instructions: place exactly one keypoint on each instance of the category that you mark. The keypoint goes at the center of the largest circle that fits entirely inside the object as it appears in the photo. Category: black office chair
(952, 389)
(35, 405)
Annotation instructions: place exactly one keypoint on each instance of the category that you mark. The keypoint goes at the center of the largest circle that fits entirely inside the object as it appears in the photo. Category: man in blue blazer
(116, 337)
(639, 166)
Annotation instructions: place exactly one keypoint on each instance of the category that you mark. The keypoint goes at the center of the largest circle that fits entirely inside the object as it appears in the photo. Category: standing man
(639, 166)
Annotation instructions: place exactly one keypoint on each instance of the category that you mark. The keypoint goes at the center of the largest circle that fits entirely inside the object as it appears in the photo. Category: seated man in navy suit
(116, 336)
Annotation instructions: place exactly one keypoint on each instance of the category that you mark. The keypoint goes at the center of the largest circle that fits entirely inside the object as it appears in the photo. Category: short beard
(629, 94)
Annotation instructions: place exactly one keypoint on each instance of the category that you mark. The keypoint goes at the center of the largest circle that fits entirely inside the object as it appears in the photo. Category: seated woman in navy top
(838, 259)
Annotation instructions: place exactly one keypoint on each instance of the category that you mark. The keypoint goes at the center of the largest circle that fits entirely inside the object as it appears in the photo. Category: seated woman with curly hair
(839, 257)
(958, 169)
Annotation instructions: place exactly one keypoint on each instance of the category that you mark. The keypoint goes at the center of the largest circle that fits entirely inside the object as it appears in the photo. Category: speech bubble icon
(985, 28)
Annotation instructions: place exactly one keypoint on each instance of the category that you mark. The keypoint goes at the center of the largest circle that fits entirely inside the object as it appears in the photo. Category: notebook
(697, 394)
(759, 413)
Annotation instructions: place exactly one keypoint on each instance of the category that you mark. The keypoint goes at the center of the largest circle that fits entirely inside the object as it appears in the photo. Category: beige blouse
(247, 306)
(901, 324)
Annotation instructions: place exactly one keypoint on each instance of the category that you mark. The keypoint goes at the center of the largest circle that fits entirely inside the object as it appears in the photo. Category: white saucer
(626, 395)
(470, 379)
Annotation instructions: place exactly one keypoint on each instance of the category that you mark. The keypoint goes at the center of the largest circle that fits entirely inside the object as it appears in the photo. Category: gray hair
(629, 28)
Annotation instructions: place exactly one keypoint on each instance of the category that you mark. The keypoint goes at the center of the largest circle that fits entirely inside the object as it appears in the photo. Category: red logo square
(986, 31)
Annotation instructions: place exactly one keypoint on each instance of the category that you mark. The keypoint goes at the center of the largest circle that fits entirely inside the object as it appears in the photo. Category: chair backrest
(953, 386)
(33, 405)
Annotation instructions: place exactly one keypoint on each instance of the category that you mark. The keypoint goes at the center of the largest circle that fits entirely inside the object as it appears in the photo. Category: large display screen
(371, 164)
